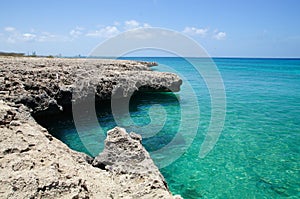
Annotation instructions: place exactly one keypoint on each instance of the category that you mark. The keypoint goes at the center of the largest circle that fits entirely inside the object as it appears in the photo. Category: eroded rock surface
(124, 155)
(33, 164)
(49, 84)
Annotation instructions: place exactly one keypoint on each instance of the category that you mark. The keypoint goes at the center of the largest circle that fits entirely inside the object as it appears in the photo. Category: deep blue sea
(258, 152)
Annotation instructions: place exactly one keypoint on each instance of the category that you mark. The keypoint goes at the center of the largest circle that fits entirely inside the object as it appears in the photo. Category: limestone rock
(47, 85)
(125, 156)
(33, 164)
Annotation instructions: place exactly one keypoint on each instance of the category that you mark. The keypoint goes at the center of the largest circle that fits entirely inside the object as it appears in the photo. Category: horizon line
(157, 56)
(213, 57)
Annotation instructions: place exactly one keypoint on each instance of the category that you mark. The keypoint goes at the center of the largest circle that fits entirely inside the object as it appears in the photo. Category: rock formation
(50, 84)
(34, 164)
(124, 155)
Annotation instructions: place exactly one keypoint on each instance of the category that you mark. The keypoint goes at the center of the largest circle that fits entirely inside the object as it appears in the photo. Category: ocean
(257, 154)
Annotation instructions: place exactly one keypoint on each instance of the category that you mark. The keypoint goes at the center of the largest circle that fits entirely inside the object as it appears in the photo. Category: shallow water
(258, 152)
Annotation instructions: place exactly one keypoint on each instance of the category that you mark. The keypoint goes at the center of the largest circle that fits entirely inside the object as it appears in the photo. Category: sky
(232, 28)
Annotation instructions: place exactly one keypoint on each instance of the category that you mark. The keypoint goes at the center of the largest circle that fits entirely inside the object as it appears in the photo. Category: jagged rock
(48, 85)
(149, 64)
(124, 155)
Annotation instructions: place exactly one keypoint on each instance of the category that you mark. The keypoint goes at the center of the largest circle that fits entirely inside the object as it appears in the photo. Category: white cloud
(76, 32)
(146, 25)
(195, 31)
(9, 29)
(28, 37)
(106, 32)
(13, 36)
(133, 24)
(219, 35)
(33, 36)
(19, 37)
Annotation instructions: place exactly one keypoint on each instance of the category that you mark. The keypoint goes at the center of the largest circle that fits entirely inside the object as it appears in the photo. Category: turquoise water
(258, 152)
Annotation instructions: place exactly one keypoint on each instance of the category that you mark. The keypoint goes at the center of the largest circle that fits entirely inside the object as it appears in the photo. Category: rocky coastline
(34, 164)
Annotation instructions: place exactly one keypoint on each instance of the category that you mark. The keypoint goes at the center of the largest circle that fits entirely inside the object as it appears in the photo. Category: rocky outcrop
(50, 84)
(124, 155)
(149, 64)
(34, 164)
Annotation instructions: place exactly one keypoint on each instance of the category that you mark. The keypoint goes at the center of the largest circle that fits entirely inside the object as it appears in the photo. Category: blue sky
(230, 28)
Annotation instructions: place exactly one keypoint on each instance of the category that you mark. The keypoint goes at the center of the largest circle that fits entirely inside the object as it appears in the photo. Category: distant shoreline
(15, 54)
